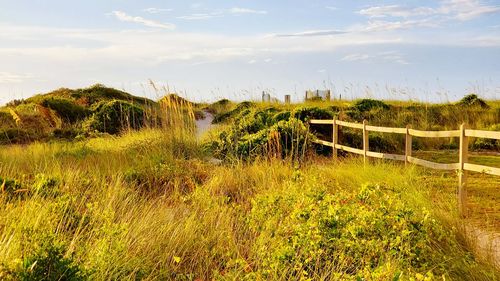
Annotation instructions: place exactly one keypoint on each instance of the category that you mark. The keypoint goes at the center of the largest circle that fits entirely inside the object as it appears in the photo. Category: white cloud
(252, 61)
(465, 10)
(156, 10)
(356, 57)
(311, 33)
(9, 78)
(237, 10)
(462, 10)
(150, 47)
(396, 11)
(202, 16)
(380, 25)
(331, 8)
(220, 13)
(268, 60)
(391, 56)
(122, 16)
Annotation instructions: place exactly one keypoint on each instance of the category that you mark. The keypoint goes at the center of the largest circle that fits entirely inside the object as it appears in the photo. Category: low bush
(229, 115)
(66, 109)
(369, 104)
(45, 260)
(15, 136)
(46, 186)
(473, 100)
(114, 116)
(304, 114)
(11, 188)
(488, 144)
(368, 233)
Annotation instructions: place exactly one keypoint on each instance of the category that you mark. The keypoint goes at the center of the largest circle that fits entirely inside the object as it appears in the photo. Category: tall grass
(148, 205)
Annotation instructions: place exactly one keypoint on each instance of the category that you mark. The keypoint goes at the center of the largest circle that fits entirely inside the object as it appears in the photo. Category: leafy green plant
(47, 261)
(114, 116)
(473, 100)
(11, 188)
(353, 235)
(488, 144)
(369, 104)
(66, 109)
(46, 186)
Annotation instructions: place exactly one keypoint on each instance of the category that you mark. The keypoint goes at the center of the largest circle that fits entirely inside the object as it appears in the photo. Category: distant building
(287, 99)
(318, 94)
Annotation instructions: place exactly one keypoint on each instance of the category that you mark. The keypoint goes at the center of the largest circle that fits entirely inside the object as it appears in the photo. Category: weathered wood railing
(462, 166)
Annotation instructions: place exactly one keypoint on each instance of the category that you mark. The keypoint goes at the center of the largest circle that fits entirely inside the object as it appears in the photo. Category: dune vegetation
(130, 192)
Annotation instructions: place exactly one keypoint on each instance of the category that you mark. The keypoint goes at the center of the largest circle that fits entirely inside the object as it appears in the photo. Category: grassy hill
(249, 127)
(149, 203)
(67, 113)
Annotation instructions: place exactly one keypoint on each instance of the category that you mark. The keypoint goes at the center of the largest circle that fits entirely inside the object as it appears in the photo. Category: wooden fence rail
(462, 166)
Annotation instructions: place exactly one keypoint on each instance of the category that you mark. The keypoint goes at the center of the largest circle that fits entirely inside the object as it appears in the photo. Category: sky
(206, 50)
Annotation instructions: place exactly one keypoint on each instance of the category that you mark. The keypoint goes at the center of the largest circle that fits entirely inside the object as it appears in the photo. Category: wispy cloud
(391, 56)
(465, 10)
(122, 16)
(237, 10)
(311, 33)
(331, 8)
(221, 13)
(9, 78)
(156, 10)
(380, 25)
(202, 16)
(396, 11)
(356, 57)
(462, 10)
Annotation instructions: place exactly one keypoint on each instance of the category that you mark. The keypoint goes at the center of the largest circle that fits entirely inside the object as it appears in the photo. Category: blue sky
(206, 50)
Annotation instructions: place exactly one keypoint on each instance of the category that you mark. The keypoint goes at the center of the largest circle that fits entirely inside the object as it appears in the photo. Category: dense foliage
(114, 116)
(148, 205)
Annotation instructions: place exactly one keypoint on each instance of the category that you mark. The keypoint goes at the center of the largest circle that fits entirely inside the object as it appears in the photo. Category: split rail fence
(462, 166)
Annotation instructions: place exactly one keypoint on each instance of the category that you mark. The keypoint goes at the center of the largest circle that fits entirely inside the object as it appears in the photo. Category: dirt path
(486, 244)
(203, 125)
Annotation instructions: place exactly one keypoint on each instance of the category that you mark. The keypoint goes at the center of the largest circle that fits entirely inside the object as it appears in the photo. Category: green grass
(148, 206)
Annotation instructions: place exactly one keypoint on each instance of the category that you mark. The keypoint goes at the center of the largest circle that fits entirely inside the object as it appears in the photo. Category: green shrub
(66, 133)
(11, 188)
(115, 116)
(488, 144)
(66, 109)
(46, 261)
(282, 116)
(98, 93)
(46, 186)
(6, 120)
(473, 100)
(15, 136)
(304, 114)
(369, 104)
(219, 107)
(365, 234)
(225, 116)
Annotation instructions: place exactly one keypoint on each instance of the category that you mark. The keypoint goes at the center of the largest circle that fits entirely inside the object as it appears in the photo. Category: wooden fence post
(408, 144)
(462, 174)
(335, 138)
(366, 143)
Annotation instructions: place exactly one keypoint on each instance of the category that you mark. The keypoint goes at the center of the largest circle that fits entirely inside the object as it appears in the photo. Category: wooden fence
(462, 166)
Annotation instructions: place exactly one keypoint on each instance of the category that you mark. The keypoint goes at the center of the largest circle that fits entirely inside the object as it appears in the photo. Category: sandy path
(203, 125)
